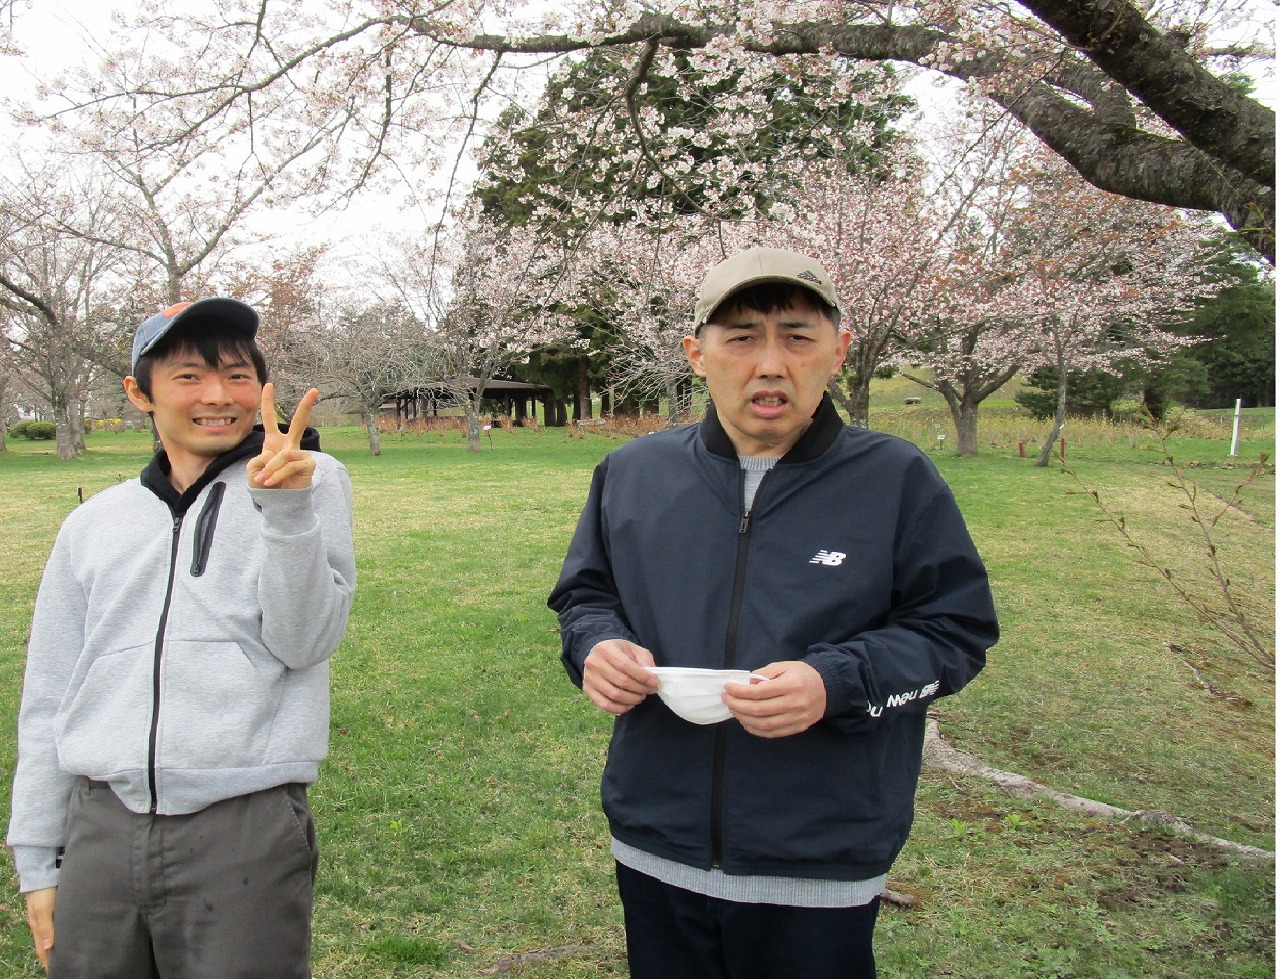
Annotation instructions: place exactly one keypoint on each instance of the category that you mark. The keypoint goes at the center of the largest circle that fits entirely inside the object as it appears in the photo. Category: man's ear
(843, 339)
(693, 353)
(135, 395)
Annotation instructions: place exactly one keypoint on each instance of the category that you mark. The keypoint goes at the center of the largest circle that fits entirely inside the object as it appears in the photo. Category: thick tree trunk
(674, 407)
(371, 427)
(965, 417)
(853, 394)
(473, 425)
(1059, 419)
(65, 429)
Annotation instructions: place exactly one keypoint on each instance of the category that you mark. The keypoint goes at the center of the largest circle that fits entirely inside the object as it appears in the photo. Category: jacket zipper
(730, 659)
(155, 668)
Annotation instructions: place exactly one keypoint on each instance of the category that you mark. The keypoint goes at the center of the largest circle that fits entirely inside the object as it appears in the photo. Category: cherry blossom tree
(1020, 210)
(290, 291)
(1100, 276)
(363, 354)
(883, 241)
(972, 342)
(1144, 105)
(878, 237)
(640, 277)
(680, 140)
(184, 206)
(58, 289)
(8, 374)
(489, 295)
(971, 333)
(708, 157)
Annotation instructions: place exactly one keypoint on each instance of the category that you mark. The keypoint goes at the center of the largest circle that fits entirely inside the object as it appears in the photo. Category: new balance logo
(832, 559)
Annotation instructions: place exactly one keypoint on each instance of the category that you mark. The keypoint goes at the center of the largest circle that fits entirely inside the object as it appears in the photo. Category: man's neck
(184, 473)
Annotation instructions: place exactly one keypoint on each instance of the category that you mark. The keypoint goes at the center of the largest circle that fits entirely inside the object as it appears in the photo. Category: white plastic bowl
(694, 693)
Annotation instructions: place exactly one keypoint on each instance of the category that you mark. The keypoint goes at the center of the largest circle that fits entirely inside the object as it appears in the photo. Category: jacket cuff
(845, 696)
(574, 654)
(285, 512)
(37, 867)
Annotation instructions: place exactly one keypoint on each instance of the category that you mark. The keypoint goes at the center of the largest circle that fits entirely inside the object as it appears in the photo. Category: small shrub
(35, 431)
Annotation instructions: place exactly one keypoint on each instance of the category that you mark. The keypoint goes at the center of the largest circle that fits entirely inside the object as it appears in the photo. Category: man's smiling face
(767, 371)
(200, 411)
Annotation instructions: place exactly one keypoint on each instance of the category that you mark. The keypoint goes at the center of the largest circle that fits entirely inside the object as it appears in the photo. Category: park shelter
(512, 399)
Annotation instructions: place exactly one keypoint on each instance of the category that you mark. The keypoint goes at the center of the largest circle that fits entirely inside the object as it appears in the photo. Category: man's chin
(216, 443)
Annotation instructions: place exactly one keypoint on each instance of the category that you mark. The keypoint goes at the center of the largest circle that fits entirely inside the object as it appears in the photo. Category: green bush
(35, 431)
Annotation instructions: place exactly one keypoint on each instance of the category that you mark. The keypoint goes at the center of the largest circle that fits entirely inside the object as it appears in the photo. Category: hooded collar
(814, 441)
(155, 476)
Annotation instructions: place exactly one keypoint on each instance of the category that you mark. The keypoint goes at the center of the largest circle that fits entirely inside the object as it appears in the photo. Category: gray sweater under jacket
(180, 644)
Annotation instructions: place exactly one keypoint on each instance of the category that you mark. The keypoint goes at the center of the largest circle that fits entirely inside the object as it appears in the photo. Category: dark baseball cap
(226, 312)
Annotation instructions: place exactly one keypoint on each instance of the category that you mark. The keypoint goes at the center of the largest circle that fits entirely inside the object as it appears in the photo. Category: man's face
(200, 411)
(766, 372)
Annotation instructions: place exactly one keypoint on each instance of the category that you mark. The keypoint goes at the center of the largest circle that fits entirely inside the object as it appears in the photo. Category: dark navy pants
(223, 893)
(676, 934)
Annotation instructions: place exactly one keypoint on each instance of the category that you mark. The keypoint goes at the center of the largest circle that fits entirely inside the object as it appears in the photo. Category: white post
(1235, 429)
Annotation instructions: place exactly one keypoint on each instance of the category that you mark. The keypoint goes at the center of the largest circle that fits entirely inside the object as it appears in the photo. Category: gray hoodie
(180, 644)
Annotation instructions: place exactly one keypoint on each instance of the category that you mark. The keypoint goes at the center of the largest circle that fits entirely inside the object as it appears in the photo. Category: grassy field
(458, 811)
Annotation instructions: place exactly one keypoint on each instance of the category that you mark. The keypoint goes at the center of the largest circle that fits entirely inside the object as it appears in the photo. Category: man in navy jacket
(829, 560)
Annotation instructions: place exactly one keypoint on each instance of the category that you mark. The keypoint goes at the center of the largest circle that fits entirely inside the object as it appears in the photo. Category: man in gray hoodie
(176, 699)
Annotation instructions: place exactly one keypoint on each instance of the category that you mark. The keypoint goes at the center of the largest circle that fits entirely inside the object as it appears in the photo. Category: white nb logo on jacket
(832, 559)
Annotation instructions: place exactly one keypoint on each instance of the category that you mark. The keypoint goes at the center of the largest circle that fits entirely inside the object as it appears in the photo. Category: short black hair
(209, 342)
(770, 297)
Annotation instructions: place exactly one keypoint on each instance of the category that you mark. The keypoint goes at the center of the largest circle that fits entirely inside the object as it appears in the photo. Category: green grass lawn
(458, 810)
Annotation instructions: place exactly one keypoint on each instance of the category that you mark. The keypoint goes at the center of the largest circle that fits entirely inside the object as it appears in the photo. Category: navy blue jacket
(854, 559)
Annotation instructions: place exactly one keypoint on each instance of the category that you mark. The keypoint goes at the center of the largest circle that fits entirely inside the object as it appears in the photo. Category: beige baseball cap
(757, 265)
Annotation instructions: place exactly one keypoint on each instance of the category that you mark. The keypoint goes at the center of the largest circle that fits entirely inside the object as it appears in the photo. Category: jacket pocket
(104, 721)
(206, 524)
(216, 706)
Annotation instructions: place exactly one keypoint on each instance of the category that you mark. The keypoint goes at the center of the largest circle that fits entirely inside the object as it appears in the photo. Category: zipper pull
(746, 519)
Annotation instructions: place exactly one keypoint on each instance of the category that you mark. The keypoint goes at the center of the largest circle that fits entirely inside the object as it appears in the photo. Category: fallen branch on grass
(938, 754)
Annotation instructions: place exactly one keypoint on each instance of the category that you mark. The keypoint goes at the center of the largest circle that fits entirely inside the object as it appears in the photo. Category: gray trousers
(224, 893)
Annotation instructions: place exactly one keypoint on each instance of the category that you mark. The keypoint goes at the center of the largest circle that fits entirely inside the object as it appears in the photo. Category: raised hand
(283, 464)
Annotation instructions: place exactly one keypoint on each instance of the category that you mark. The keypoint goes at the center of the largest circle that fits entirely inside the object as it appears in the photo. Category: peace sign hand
(283, 464)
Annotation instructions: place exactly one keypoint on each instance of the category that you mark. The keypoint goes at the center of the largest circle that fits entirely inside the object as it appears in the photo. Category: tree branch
(1161, 74)
(1226, 163)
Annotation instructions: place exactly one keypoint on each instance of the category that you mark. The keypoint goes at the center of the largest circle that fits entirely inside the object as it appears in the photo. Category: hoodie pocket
(216, 706)
(103, 723)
